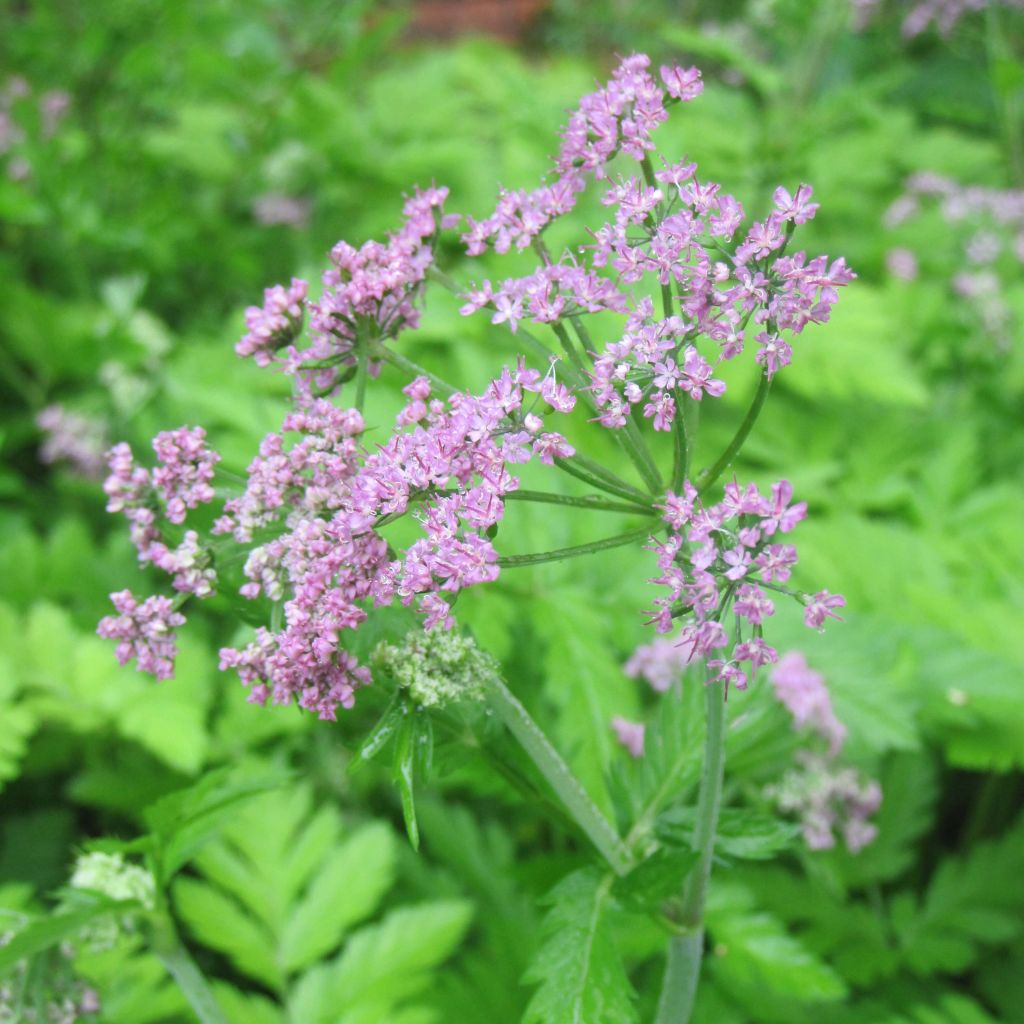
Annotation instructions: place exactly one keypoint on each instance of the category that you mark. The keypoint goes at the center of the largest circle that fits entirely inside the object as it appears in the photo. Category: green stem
(685, 951)
(569, 348)
(559, 554)
(389, 355)
(362, 372)
(567, 787)
(608, 480)
(680, 450)
(709, 476)
(594, 501)
(194, 986)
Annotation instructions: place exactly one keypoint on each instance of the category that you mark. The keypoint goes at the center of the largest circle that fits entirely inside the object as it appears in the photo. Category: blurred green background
(160, 164)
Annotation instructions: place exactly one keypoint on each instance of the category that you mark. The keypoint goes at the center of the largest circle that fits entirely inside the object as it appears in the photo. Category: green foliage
(579, 972)
(128, 256)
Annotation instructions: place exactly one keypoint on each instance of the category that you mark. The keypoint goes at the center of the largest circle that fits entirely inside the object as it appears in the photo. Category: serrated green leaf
(971, 902)
(579, 972)
(332, 904)
(754, 951)
(741, 833)
(655, 880)
(219, 922)
(381, 966)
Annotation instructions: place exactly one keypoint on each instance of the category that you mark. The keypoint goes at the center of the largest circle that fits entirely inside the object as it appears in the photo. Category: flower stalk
(686, 950)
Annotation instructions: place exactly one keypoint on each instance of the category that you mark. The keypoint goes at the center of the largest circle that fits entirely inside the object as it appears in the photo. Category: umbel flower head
(311, 524)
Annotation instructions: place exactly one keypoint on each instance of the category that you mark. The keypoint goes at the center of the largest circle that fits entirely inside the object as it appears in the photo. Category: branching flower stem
(685, 951)
(560, 554)
(574, 798)
(710, 475)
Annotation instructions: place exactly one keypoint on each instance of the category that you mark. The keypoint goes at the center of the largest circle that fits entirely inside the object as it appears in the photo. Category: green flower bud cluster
(438, 667)
(109, 874)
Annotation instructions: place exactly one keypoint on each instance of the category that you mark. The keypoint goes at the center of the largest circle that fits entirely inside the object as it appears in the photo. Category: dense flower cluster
(803, 693)
(678, 231)
(145, 632)
(990, 226)
(617, 118)
(723, 558)
(453, 463)
(370, 295)
(829, 798)
(438, 667)
(319, 496)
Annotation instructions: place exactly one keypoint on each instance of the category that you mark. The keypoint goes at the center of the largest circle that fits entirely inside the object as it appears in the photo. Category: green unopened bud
(109, 874)
(438, 667)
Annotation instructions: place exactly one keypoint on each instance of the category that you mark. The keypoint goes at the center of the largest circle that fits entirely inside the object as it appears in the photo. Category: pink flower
(630, 735)
(820, 608)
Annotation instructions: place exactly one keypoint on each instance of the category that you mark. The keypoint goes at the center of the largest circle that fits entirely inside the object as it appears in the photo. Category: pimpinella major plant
(337, 522)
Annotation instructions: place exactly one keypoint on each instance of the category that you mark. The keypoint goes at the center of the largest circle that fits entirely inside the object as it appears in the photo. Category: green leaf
(742, 833)
(971, 902)
(579, 972)
(220, 923)
(754, 951)
(184, 821)
(332, 904)
(655, 880)
(382, 965)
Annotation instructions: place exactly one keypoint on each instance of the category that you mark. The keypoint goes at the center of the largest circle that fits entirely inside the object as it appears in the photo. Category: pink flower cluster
(553, 291)
(369, 295)
(673, 228)
(988, 225)
(145, 632)
(803, 693)
(829, 799)
(946, 13)
(619, 117)
(332, 562)
(72, 438)
(722, 558)
(278, 322)
(181, 481)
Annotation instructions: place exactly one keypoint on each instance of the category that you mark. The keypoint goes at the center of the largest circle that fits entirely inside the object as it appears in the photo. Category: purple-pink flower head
(145, 632)
(630, 735)
(803, 693)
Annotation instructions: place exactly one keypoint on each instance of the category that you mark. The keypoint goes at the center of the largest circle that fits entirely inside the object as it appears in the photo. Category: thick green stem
(574, 798)
(707, 479)
(389, 355)
(685, 951)
(577, 550)
(594, 501)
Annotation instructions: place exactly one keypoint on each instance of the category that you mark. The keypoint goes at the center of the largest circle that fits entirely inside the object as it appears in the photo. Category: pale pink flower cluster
(617, 118)
(145, 632)
(154, 500)
(829, 799)
(73, 438)
(988, 226)
(803, 693)
(723, 558)
(452, 463)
